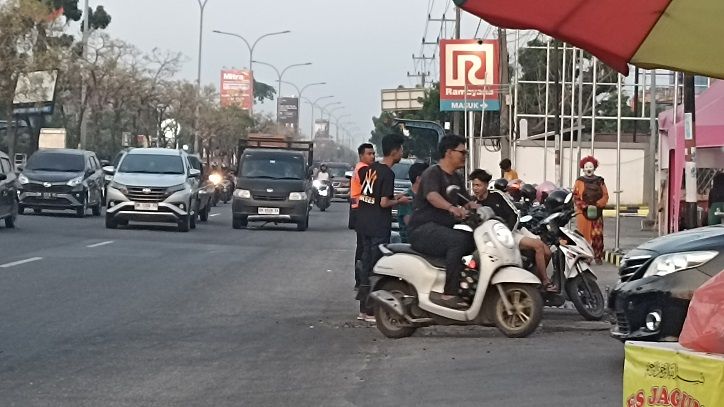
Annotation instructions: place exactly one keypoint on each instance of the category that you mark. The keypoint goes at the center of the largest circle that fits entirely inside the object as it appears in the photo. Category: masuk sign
(469, 75)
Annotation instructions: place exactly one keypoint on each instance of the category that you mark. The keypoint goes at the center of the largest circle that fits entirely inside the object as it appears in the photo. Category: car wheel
(110, 222)
(192, 221)
(21, 210)
(304, 225)
(80, 212)
(10, 220)
(239, 223)
(184, 224)
(37, 211)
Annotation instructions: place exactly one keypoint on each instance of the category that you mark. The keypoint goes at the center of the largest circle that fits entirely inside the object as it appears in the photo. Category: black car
(8, 191)
(62, 179)
(273, 183)
(658, 279)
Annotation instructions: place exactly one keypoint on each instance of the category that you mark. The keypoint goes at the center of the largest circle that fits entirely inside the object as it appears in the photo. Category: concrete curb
(612, 257)
(610, 211)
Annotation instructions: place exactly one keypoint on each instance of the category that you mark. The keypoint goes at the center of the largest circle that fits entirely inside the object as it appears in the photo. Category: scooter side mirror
(526, 219)
(569, 197)
(452, 193)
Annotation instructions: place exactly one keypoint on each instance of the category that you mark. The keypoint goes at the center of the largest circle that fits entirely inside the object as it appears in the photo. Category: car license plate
(146, 206)
(268, 211)
(49, 195)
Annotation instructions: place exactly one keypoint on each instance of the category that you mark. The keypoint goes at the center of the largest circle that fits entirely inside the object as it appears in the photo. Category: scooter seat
(407, 249)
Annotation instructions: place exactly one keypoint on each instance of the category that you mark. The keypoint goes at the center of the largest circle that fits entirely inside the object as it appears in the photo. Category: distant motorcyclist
(323, 174)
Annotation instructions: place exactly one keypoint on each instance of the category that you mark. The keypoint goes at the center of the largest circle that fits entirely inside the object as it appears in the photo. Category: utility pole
(690, 214)
(84, 88)
(197, 116)
(456, 115)
(650, 170)
(504, 94)
(422, 75)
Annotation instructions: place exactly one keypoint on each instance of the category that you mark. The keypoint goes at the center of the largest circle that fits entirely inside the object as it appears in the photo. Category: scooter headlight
(504, 236)
(215, 178)
(317, 183)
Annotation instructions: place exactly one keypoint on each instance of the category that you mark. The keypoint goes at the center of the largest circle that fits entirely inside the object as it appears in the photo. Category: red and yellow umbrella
(681, 35)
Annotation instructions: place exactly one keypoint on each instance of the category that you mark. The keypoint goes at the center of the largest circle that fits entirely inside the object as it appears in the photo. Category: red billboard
(470, 66)
(237, 88)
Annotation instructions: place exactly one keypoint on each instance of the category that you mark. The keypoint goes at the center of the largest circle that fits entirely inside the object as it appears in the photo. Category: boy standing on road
(374, 216)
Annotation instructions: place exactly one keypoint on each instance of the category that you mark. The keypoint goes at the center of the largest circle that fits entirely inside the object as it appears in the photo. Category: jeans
(436, 240)
(370, 257)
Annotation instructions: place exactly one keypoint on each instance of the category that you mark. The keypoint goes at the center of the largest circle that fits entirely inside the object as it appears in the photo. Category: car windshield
(273, 167)
(337, 171)
(402, 171)
(152, 164)
(60, 162)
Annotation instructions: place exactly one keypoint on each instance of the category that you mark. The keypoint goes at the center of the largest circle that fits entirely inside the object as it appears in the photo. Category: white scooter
(503, 294)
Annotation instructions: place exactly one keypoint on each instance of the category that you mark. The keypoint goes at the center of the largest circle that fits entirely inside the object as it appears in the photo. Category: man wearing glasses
(431, 225)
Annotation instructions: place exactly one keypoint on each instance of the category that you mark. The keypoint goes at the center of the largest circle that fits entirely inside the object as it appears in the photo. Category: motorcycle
(222, 189)
(572, 257)
(500, 292)
(322, 194)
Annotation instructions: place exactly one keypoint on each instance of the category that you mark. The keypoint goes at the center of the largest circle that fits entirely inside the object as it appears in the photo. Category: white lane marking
(17, 263)
(90, 246)
(215, 214)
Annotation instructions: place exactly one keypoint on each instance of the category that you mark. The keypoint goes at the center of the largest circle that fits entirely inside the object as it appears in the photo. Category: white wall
(529, 165)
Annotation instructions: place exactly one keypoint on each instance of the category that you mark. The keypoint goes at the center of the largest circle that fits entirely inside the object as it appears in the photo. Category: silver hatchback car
(153, 185)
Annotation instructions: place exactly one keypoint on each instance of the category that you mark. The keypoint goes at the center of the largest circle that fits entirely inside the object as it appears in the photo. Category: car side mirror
(3, 177)
(105, 163)
(109, 169)
(194, 173)
(452, 193)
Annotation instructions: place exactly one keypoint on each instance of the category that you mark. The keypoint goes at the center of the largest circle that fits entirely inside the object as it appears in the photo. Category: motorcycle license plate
(268, 211)
(146, 206)
(49, 195)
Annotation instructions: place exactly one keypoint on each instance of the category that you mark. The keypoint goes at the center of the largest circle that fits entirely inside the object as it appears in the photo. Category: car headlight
(242, 193)
(175, 188)
(215, 178)
(298, 196)
(119, 187)
(504, 236)
(22, 179)
(671, 263)
(75, 181)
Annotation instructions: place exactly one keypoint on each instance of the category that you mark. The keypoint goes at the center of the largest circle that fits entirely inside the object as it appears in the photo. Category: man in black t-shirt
(374, 214)
(431, 225)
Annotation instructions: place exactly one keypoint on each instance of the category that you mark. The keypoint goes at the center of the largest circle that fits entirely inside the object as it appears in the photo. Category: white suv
(152, 185)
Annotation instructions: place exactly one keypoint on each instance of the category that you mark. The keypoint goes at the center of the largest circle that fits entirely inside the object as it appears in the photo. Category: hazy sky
(357, 47)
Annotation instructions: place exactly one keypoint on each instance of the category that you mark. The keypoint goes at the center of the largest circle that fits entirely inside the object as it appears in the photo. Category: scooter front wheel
(527, 311)
(390, 324)
(586, 296)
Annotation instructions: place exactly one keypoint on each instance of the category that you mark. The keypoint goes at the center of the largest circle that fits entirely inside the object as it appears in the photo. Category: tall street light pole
(202, 7)
(300, 92)
(313, 104)
(280, 76)
(324, 108)
(338, 118)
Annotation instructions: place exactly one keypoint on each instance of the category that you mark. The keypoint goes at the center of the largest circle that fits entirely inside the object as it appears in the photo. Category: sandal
(550, 287)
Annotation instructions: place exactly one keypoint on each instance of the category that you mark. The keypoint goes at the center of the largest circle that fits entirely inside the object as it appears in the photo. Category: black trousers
(370, 256)
(359, 249)
(436, 240)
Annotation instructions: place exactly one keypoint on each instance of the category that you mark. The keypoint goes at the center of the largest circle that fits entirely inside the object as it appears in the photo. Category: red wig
(589, 159)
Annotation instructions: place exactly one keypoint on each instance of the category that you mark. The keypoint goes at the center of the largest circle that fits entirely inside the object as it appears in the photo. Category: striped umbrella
(681, 35)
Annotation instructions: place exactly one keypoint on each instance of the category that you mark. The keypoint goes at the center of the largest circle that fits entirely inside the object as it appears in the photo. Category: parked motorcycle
(322, 194)
(572, 256)
(502, 294)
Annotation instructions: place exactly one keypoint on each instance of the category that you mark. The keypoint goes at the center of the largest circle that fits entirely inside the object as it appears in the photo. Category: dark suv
(8, 191)
(273, 183)
(62, 179)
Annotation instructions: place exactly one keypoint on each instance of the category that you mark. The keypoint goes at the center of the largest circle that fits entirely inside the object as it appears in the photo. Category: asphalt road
(218, 317)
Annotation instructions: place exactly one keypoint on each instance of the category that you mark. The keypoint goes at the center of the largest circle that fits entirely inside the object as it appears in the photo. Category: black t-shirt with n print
(378, 181)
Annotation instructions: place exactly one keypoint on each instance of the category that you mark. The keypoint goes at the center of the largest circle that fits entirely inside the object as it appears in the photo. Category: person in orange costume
(591, 197)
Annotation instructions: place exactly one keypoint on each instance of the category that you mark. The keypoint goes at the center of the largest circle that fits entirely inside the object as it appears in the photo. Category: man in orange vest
(366, 154)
